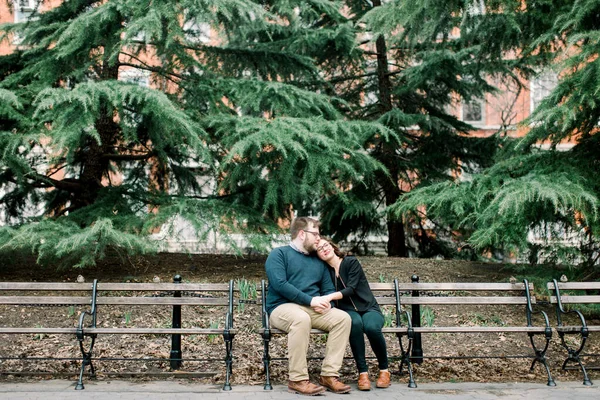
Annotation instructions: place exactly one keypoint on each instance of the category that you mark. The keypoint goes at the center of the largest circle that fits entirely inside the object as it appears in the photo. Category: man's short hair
(301, 224)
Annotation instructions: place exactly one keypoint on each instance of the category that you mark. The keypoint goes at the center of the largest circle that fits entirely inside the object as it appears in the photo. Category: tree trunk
(95, 165)
(396, 235)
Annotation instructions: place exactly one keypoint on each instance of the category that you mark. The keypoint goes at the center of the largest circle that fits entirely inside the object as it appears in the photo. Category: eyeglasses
(323, 246)
(317, 235)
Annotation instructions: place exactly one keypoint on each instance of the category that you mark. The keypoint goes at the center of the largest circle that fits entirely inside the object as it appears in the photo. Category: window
(25, 5)
(477, 7)
(541, 87)
(197, 32)
(136, 76)
(474, 111)
(23, 12)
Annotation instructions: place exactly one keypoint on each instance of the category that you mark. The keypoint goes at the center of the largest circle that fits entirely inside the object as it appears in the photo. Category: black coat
(353, 285)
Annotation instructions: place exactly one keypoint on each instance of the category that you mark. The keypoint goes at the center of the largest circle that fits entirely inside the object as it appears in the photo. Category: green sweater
(295, 278)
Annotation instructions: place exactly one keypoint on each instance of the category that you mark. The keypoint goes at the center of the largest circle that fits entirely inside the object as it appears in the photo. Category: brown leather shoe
(333, 384)
(305, 387)
(364, 383)
(384, 379)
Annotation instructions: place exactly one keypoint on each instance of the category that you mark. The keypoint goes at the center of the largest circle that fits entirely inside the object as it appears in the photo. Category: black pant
(369, 323)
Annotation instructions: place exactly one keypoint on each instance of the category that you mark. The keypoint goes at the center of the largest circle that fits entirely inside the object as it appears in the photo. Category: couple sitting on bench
(305, 277)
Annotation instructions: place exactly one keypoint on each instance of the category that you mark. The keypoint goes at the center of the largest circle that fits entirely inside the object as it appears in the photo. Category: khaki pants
(297, 321)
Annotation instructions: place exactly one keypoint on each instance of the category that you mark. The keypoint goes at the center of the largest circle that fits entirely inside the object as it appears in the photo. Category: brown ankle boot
(333, 384)
(364, 383)
(384, 379)
(305, 387)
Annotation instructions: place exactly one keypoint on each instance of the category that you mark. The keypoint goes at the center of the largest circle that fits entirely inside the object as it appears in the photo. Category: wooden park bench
(92, 297)
(403, 295)
(495, 295)
(567, 294)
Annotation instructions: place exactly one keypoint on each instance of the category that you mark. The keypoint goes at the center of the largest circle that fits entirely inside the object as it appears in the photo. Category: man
(297, 282)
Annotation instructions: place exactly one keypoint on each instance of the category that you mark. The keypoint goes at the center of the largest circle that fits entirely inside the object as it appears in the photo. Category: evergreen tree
(424, 57)
(227, 135)
(550, 192)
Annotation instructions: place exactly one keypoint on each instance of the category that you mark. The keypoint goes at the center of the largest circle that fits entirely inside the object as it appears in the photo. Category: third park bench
(565, 296)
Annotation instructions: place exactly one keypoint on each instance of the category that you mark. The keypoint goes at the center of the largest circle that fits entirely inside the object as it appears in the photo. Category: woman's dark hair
(336, 248)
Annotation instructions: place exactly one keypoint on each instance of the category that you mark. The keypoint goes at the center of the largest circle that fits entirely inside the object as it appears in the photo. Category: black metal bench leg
(540, 356)
(267, 361)
(574, 356)
(86, 359)
(228, 361)
(405, 359)
(411, 381)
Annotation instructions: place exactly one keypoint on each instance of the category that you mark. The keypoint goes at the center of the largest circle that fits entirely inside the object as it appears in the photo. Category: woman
(354, 296)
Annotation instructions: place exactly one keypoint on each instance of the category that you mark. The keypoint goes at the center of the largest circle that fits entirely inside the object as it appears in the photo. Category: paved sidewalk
(108, 390)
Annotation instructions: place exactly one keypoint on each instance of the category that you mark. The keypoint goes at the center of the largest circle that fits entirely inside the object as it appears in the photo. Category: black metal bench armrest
(400, 312)
(560, 309)
(584, 328)
(530, 311)
(548, 330)
(229, 314)
(265, 315)
(80, 328)
(92, 313)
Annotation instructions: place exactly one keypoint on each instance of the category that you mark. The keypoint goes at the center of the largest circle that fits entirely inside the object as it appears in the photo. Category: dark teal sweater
(295, 278)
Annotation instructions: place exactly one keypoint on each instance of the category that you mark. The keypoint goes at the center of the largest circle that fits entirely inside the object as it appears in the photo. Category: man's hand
(320, 304)
(322, 310)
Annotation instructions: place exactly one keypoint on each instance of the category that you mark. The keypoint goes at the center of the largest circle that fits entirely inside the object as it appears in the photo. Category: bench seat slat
(39, 330)
(591, 328)
(576, 299)
(139, 331)
(447, 329)
(157, 331)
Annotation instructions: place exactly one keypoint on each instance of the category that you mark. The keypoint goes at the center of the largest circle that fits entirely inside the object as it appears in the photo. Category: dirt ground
(115, 352)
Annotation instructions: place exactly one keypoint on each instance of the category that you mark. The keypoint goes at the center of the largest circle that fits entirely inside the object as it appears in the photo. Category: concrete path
(109, 390)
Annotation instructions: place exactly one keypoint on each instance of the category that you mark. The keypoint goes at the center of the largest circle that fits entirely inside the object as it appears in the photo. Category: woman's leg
(372, 325)
(357, 341)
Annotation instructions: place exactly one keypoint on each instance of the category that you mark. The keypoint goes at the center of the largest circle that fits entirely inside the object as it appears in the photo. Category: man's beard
(310, 247)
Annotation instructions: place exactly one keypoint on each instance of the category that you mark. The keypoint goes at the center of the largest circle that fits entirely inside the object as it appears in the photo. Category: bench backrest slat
(143, 301)
(575, 285)
(197, 301)
(377, 286)
(50, 300)
(41, 286)
(464, 300)
(140, 287)
(453, 286)
(575, 299)
(157, 287)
